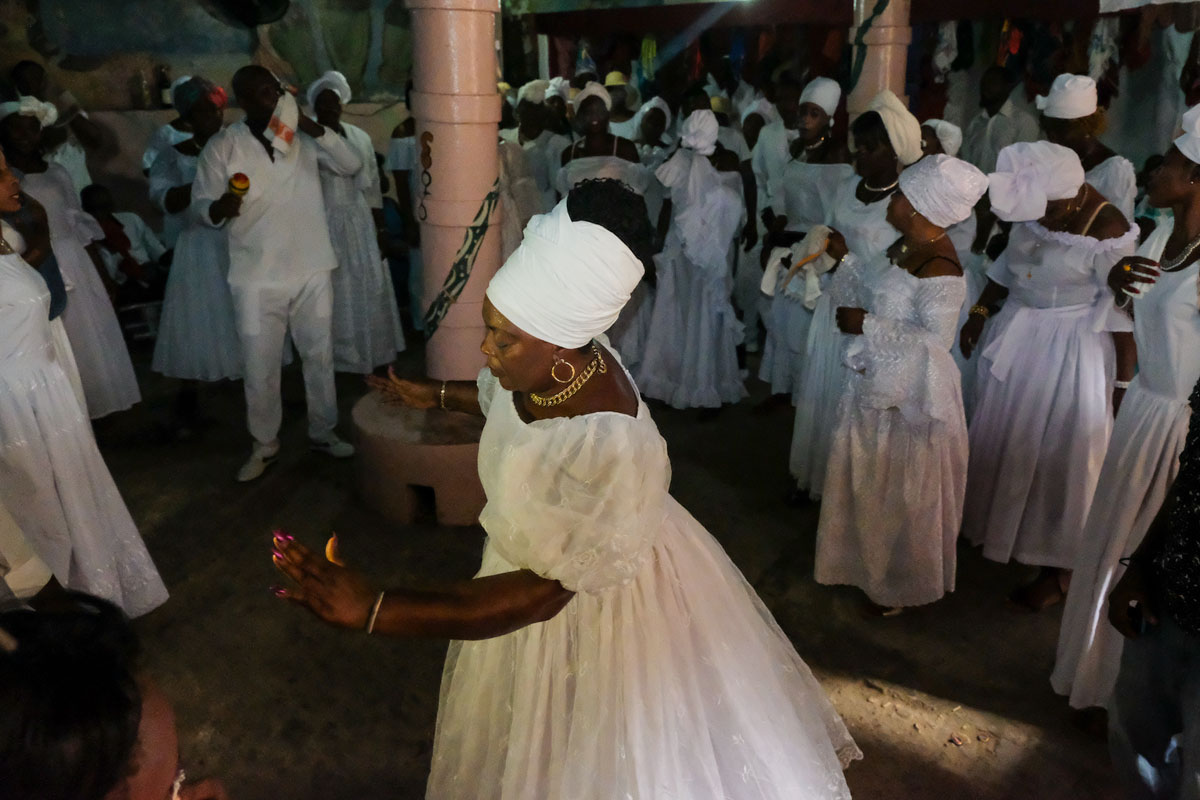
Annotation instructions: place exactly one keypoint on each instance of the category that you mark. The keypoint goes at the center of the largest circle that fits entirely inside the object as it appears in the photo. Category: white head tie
(764, 108)
(1189, 142)
(949, 135)
(700, 132)
(823, 93)
(1070, 97)
(943, 189)
(29, 106)
(1030, 174)
(568, 280)
(903, 130)
(334, 81)
(592, 89)
(533, 92)
(653, 102)
(560, 87)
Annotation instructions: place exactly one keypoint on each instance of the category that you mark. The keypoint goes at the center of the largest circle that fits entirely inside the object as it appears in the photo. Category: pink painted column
(886, 41)
(457, 110)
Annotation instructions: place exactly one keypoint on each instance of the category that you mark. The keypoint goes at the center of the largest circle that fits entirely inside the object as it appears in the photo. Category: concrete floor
(948, 701)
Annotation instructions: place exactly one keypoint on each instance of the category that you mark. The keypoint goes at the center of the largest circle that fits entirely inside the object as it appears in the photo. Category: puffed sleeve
(580, 500)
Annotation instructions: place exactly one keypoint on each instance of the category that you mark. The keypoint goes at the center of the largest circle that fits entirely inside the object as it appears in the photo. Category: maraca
(239, 184)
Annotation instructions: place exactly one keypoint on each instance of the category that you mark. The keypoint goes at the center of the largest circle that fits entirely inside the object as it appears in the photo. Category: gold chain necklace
(596, 365)
(904, 249)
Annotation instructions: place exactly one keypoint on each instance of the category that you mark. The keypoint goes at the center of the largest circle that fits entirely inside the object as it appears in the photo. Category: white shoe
(332, 446)
(261, 457)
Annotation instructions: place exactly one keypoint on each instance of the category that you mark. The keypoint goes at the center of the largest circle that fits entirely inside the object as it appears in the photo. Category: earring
(559, 361)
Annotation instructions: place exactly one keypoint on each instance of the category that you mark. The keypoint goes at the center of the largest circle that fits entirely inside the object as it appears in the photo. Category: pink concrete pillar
(457, 110)
(886, 38)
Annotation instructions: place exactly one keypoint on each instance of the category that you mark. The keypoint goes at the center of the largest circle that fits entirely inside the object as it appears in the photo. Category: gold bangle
(442, 396)
(982, 311)
(374, 613)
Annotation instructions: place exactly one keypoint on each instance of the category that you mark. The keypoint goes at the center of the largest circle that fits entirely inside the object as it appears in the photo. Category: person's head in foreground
(935, 193)
(564, 286)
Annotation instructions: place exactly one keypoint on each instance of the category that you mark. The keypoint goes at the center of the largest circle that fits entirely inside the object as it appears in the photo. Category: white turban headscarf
(1189, 142)
(568, 280)
(949, 135)
(764, 108)
(593, 89)
(560, 87)
(943, 189)
(1070, 97)
(29, 106)
(903, 130)
(1030, 174)
(653, 102)
(700, 131)
(335, 82)
(823, 93)
(533, 92)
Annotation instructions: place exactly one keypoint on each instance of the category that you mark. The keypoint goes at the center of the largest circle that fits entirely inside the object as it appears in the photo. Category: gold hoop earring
(558, 361)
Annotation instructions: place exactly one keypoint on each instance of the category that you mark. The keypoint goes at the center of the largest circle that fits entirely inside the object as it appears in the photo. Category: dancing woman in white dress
(56, 485)
(897, 471)
(1045, 394)
(366, 323)
(1143, 455)
(607, 648)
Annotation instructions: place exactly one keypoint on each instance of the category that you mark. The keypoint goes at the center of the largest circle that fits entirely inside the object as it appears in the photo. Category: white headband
(823, 93)
(560, 87)
(943, 189)
(335, 82)
(903, 130)
(28, 106)
(949, 135)
(1030, 174)
(653, 102)
(592, 89)
(1189, 142)
(568, 280)
(1070, 97)
(533, 92)
(764, 108)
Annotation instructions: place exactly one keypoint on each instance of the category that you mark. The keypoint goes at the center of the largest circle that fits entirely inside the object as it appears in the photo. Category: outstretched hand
(422, 393)
(337, 595)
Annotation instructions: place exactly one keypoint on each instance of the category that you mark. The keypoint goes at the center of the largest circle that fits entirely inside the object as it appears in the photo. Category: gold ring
(1128, 268)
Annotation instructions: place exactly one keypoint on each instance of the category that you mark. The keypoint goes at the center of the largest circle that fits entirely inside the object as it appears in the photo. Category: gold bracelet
(374, 613)
(981, 311)
(442, 396)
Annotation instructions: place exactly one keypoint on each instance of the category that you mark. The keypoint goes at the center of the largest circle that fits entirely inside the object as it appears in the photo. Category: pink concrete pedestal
(400, 448)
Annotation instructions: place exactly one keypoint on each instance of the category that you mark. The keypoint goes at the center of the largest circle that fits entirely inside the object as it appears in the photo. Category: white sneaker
(261, 457)
(332, 446)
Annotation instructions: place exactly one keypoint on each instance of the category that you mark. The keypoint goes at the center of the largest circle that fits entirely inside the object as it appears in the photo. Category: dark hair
(71, 700)
(22, 67)
(611, 204)
(89, 194)
(869, 131)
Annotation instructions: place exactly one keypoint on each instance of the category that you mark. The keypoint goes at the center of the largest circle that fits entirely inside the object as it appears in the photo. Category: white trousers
(265, 314)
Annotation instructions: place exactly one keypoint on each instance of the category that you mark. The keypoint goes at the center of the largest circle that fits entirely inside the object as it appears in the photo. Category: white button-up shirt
(987, 135)
(281, 235)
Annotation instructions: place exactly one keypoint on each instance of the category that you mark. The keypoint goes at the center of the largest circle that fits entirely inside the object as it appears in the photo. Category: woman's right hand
(1127, 274)
(836, 246)
(420, 393)
(972, 329)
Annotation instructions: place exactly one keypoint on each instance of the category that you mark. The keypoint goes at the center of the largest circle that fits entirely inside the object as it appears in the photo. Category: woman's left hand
(335, 594)
(850, 320)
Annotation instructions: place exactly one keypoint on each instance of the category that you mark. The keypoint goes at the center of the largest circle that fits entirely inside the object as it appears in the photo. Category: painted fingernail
(278, 591)
(278, 556)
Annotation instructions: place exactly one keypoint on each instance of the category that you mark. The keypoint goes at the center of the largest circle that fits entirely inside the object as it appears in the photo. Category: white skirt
(197, 335)
(1038, 434)
(678, 684)
(787, 339)
(631, 331)
(65, 357)
(1141, 463)
(822, 383)
(974, 270)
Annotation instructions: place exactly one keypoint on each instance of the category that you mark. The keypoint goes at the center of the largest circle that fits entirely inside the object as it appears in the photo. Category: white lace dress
(366, 323)
(809, 191)
(893, 492)
(690, 358)
(55, 483)
(823, 376)
(1043, 397)
(197, 333)
(1115, 179)
(664, 676)
(109, 383)
(1139, 467)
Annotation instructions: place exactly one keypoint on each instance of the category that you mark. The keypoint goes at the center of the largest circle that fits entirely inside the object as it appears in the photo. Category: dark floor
(948, 701)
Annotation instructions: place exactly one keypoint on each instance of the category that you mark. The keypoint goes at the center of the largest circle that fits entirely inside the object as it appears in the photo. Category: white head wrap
(824, 93)
(1070, 97)
(943, 189)
(764, 108)
(903, 130)
(533, 92)
(29, 106)
(949, 135)
(653, 102)
(592, 89)
(700, 132)
(560, 87)
(175, 84)
(1030, 174)
(1189, 142)
(332, 80)
(568, 280)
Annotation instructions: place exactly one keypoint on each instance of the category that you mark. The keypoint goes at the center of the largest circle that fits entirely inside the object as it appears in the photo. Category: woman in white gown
(817, 166)
(109, 383)
(1072, 118)
(886, 139)
(618, 653)
(197, 334)
(690, 360)
(1044, 393)
(898, 466)
(56, 484)
(366, 322)
(1143, 455)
